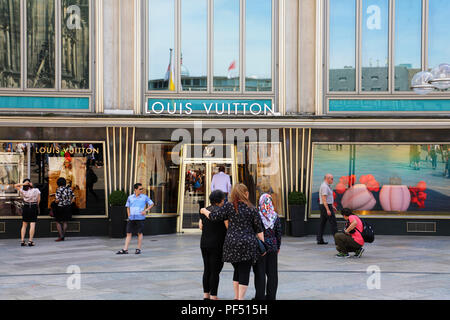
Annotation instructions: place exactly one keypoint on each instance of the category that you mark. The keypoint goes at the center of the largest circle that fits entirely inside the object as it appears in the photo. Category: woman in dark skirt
(63, 212)
(241, 244)
(31, 198)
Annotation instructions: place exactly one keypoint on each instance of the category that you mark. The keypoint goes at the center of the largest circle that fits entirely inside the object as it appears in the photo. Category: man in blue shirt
(136, 210)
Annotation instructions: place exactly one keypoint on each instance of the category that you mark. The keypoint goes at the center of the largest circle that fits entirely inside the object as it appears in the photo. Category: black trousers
(324, 217)
(212, 262)
(242, 272)
(266, 276)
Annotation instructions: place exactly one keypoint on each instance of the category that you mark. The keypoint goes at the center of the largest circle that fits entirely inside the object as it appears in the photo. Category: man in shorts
(136, 210)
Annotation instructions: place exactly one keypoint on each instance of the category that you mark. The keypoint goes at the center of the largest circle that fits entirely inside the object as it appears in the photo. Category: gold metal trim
(114, 157)
(303, 160)
(308, 204)
(125, 183)
(296, 159)
(108, 159)
(291, 149)
(120, 159)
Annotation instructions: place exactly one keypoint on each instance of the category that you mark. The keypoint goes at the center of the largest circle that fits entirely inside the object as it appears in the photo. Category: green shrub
(118, 198)
(296, 198)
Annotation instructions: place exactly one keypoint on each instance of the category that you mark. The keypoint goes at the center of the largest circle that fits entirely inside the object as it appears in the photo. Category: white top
(325, 190)
(221, 181)
(31, 195)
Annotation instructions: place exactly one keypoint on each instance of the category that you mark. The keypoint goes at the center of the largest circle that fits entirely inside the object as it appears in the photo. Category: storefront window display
(158, 175)
(81, 164)
(261, 172)
(392, 179)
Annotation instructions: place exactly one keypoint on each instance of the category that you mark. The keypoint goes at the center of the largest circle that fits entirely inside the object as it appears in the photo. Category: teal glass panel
(62, 103)
(389, 105)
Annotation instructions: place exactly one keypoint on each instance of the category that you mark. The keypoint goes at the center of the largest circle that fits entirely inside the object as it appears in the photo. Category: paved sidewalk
(170, 267)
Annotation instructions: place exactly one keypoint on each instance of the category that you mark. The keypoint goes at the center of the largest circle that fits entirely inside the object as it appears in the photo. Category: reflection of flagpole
(171, 74)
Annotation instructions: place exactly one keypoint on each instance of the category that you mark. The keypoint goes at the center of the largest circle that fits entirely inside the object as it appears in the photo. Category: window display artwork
(81, 164)
(74, 171)
(11, 168)
(385, 179)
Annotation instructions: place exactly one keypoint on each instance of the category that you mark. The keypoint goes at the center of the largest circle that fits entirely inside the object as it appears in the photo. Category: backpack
(368, 233)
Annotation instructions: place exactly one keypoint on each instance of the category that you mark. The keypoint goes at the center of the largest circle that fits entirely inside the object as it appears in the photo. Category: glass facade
(10, 44)
(159, 175)
(75, 44)
(226, 45)
(213, 44)
(387, 179)
(385, 40)
(46, 67)
(81, 164)
(41, 58)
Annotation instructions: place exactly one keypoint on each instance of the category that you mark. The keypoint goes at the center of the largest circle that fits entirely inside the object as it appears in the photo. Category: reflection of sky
(438, 38)
(194, 22)
(161, 36)
(408, 28)
(342, 33)
(226, 36)
(259, 38)
(375, 41)
(408, 32)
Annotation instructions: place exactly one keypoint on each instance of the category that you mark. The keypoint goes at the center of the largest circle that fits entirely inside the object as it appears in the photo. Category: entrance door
(195, 184)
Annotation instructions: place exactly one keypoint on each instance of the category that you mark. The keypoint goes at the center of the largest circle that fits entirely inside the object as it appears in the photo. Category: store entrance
(196, 176)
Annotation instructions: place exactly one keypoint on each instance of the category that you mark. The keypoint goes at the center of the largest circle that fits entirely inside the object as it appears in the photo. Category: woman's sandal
(22, 244)
(138, 251)
(30, 243)
(122, 252)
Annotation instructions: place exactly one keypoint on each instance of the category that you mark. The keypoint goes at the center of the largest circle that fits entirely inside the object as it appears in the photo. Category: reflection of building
(373, 78)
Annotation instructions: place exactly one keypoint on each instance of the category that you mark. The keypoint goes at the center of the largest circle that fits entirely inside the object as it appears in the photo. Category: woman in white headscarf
(266, 268)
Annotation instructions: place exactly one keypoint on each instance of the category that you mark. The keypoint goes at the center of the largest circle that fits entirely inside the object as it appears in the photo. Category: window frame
(358, 93)
(23, 89)
(209, 93)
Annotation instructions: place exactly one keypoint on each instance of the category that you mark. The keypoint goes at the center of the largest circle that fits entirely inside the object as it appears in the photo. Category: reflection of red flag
(232, 66)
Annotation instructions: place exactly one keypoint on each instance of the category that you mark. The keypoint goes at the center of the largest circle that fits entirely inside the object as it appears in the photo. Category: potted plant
(117, 213)
(297, 201)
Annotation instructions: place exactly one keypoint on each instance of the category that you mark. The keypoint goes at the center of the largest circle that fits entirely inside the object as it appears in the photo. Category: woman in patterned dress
(241, 245)
(64, 199)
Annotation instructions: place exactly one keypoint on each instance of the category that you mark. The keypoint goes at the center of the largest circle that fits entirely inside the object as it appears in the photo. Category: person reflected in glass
(241, 245)
(31, 198)
(266, 268)
(221, 181)
(211, 245)
(64, 199)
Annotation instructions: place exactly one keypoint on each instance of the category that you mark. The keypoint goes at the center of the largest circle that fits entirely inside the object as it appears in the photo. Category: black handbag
(261, 247)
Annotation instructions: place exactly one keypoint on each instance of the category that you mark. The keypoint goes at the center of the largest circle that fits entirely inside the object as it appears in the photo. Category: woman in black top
(211, 245)
(267, 266)
(241, 245)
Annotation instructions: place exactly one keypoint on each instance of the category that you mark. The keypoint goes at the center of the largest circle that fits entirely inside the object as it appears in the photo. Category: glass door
(194, 193)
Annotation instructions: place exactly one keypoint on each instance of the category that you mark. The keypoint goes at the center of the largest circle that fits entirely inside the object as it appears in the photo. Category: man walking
(326, 208)
(136, 210)
(221, 181)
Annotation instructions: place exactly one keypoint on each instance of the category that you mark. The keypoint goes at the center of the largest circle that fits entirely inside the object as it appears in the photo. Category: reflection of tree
(10, 43)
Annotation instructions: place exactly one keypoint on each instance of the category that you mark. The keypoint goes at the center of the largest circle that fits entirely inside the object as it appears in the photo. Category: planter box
(118, 216)
(298, 224)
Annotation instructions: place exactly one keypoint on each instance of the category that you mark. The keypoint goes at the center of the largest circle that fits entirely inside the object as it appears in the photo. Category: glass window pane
(44, 164)
(342, 30)
(159, 176)
(41, 44)
(385, 178)
(194, 45)
(438, 26)
(75, 44)
(161, 25)
(10, 44)
(260, 171)
(408, 42)
(375, 45)
(226, 45)
(258, 45)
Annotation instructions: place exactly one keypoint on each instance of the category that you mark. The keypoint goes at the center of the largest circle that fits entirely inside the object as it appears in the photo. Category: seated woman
(351, 239)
